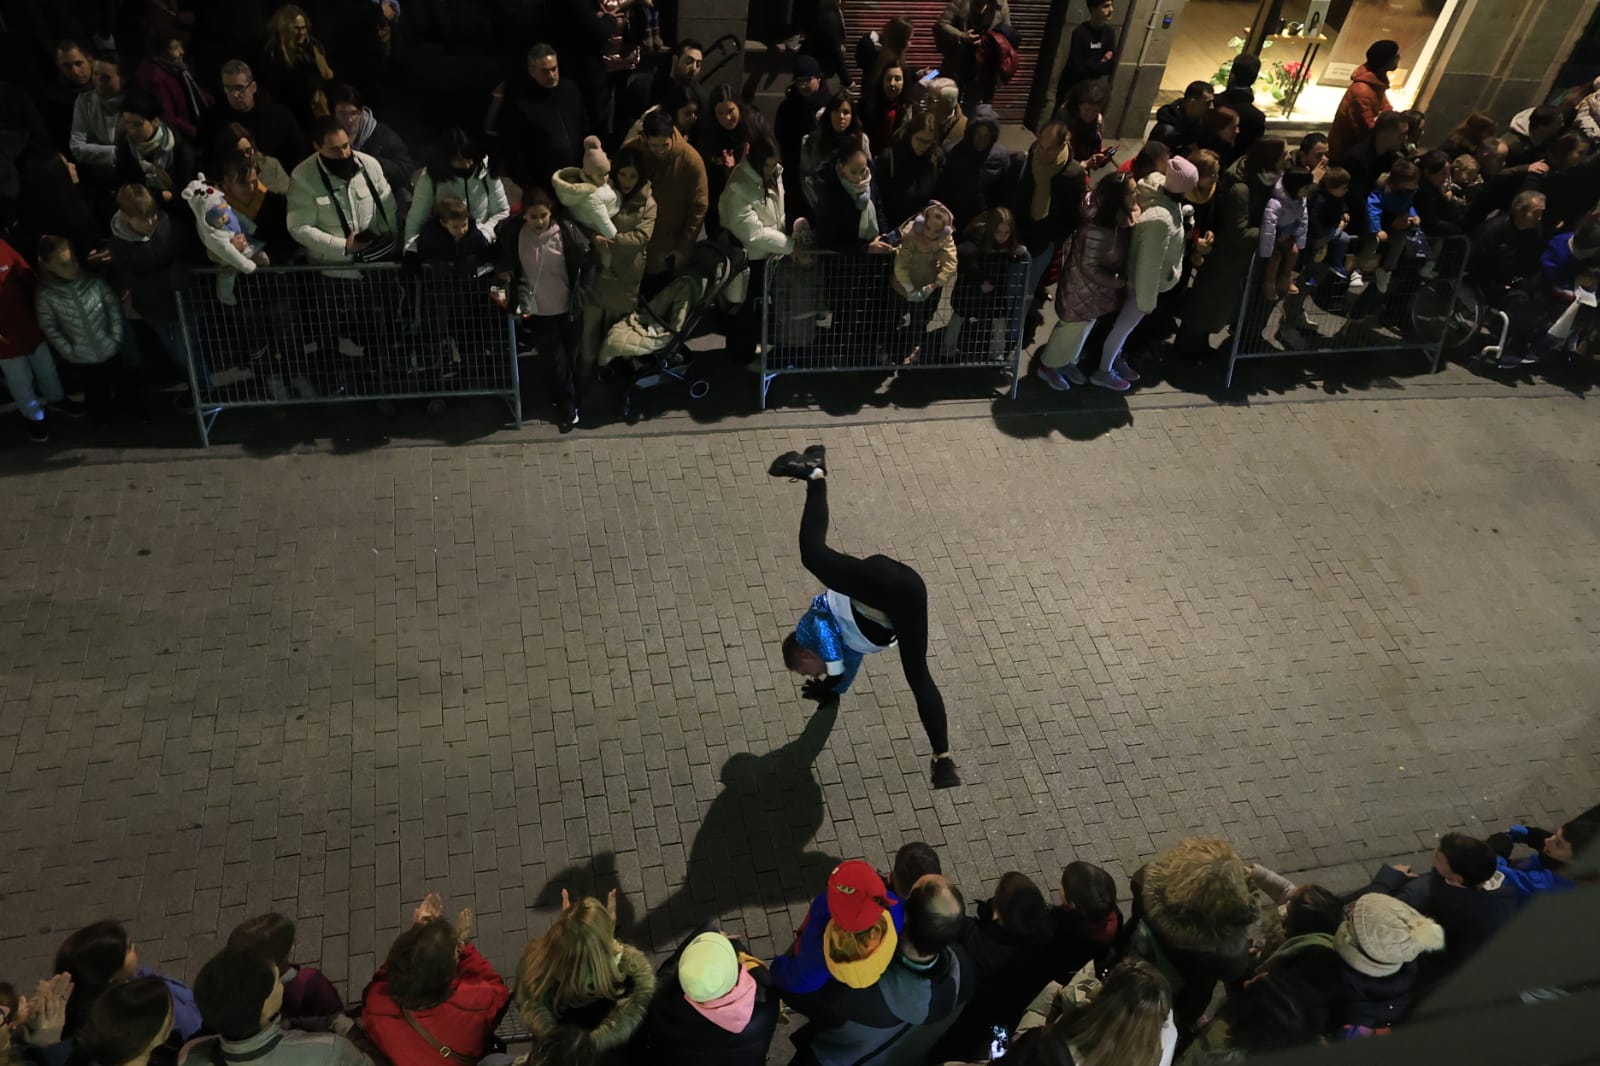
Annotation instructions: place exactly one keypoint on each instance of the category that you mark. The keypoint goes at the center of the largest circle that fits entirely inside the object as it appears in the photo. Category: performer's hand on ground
(819, 689)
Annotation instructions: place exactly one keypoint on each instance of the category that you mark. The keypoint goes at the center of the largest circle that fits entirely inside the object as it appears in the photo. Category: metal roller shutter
(1028, 16)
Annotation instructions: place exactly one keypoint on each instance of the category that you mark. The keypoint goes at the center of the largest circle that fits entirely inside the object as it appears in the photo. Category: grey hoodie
(94, 129)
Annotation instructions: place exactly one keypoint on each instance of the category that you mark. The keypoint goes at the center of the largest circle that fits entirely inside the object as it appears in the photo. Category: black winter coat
(1252, 121)
(838, 220)
(541, 130)
(971, 182)
(1068, 189)
(907, 181)
(1009, 969)
(675, 1034)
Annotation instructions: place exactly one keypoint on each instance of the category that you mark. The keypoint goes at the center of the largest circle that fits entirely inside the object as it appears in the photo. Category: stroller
(660, 329)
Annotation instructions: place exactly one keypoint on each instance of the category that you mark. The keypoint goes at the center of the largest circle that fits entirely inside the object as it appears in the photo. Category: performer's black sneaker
(944, 774)
(798, 466)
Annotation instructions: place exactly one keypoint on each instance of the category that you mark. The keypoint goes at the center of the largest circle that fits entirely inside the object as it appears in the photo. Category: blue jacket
(818, 631)
(803, 969)
(1383, 205)
(1561, 267)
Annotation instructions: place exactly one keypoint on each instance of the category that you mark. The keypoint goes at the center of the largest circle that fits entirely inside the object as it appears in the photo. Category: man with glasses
(271, 126)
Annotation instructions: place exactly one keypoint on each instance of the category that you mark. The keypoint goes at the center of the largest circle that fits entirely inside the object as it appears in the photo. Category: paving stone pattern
(327, 684)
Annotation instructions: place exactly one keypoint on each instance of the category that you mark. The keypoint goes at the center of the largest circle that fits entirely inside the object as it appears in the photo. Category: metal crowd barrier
(296, 335)
(825, 312)
(1425, 306)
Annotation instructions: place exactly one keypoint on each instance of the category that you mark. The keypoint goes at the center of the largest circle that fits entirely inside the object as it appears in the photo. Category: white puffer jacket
(754, 213)
(484, 194)
(592, 206)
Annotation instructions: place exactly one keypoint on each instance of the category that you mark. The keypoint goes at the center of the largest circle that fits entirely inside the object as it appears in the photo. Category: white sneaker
(1358, 284)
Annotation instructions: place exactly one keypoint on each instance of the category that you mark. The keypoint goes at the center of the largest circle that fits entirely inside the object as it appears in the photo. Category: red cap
(855, 896)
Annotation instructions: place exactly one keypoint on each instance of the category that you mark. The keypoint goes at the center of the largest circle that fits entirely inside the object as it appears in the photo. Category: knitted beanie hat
(1381, 54)
(708, 967)
(1182, 177)
(1380, 934)
(594, 157)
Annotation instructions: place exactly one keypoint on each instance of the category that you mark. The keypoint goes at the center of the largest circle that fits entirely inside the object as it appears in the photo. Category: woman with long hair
(723, 139)
(838, 125)
(236, 141)
(294, 65)
(616, 284)
(1127, 1023)
(1094, 278)
(886, 105)
(459, 167)
(1468, 137)
(908, 170)
(753, 213)
(581, 993)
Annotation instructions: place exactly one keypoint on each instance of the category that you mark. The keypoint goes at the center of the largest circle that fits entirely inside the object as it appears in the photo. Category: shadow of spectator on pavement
(751, 848)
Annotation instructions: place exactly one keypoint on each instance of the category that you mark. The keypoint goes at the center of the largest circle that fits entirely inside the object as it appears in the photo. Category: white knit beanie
(594, 158)
(1380, 934)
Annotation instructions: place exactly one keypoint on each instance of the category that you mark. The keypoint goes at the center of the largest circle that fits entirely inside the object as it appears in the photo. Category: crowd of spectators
(1214, 960)
(602, 163)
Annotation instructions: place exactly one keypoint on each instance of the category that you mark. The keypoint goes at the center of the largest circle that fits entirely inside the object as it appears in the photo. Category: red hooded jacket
(464, 1022)
(19, 329)
(1364, 101)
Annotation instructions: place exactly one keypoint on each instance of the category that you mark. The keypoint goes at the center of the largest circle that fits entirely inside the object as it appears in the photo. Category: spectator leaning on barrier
(435, 997)
(240, 997)
(1094, 279)
(752, 211)
(82, 317)
(547, 267)
(462, 171)
(984, 295)
(148, 268)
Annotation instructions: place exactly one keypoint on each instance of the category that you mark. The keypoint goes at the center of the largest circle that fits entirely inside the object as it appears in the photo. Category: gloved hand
(819, 689)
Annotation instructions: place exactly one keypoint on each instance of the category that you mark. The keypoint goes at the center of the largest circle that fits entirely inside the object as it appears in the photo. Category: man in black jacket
(542, 121)
(1092, 51)
(271, 126)
(796, 117)
(1240, 95)
(1178, 122)
(1505, 268)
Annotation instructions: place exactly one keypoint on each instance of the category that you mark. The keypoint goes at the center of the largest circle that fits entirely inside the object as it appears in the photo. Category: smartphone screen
(1000, 1042)
(928, 77)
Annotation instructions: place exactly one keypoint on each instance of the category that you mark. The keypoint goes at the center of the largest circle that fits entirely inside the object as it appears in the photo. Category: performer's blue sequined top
(831, 631)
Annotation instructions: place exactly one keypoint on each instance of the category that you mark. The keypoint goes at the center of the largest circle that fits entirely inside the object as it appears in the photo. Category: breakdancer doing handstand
(866, 605)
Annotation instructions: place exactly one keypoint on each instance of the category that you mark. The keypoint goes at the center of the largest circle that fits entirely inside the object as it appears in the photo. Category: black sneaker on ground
(797, 466)
(38, 432)
(819, 455)
(70, 408)
(944, 774)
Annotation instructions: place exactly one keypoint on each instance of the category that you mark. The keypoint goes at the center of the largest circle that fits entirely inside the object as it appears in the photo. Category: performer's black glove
(819, 689)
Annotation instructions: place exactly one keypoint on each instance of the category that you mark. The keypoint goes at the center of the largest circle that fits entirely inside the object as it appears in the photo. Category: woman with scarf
(1219, 287)
(850, 219)
(1049, 201)
(235, 140)
(723, 139)
(908, 170)
(148, 151)
(838, 125)
(167, 77)
(886, 106)
(462, 170)
(294, 67)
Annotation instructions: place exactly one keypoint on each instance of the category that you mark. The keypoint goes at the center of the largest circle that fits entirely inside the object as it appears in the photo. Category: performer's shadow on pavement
(750, 850)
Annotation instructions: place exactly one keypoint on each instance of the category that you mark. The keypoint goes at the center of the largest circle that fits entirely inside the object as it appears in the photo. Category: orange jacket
(1364, 101)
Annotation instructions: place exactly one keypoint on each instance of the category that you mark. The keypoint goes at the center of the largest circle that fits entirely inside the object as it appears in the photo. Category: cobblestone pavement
(327, 684)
